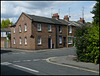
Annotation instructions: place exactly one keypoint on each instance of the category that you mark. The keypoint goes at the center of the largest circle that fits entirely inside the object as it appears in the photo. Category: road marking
(26, 68)
(26, 60)
(16, 61)
(43, 59)
(22, 52)
(69, 65)
(36, 59)
(15, 53)
(5, 63)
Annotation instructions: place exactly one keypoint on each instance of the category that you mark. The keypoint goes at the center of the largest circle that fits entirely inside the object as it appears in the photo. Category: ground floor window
(25, 40)
(39, 40)
(60, 39)
(20, 40)
(14, 40)
(69, 40)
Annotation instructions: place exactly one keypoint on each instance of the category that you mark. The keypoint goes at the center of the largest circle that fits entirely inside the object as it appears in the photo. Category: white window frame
(20, 40)
(49, 28)
(70, 29)
(19, 28)
(70, 38)
(39, 27)
(14, 29)
(14, 40)
(25, 27)
(25, 40)
(60, 29)
(39, 41)
(60, 39)
(3, 34)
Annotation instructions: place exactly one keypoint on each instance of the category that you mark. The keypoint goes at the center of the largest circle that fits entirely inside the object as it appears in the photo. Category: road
(34, 63)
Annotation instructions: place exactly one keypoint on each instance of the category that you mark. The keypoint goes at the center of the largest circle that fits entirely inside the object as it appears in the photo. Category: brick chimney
(82, 20)
(66, 17)
(55, 16)
(9, 25)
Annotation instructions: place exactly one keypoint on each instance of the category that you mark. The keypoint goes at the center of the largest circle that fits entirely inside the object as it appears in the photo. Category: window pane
(39, 40)
(25, 40)
(49, 28)
(60, 40)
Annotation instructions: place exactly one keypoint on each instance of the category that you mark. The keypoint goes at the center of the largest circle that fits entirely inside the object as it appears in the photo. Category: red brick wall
(63, 34)
(30, 42)
(44, 35)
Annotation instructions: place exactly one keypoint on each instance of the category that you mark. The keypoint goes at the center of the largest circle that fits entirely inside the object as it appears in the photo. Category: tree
(96, 11)
(9, 36)
(5, 23)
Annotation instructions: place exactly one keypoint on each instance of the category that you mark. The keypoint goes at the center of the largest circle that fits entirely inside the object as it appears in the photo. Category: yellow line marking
(48, 60)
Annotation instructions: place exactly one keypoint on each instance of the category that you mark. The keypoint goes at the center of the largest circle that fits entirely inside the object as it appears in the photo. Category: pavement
(70, 62)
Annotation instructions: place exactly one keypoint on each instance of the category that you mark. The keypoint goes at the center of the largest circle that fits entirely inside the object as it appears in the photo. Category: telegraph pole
(69, 12)
(82, 12)
(51, 12)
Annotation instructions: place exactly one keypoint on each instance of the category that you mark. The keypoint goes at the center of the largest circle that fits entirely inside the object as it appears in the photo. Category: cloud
(13, 9)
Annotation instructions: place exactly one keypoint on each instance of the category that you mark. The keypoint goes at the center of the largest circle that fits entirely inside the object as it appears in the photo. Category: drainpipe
(56, 36)
(67, 36)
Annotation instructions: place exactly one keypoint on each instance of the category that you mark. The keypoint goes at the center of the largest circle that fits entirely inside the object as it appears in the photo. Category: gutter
(56, 36)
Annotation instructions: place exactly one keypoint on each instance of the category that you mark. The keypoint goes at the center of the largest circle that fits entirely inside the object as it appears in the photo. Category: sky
(13, 9)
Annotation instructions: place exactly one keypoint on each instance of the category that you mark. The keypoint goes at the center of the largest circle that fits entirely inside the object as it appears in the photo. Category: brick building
(36, 32)
(4, 33)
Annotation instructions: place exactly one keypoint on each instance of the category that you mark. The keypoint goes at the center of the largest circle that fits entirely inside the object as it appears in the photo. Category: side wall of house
(30, 41)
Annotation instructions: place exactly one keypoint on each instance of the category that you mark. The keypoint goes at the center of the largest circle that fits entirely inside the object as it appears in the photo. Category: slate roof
(47, 20)
(5, 30)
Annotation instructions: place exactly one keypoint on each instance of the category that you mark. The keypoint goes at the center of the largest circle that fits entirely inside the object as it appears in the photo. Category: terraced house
(36, 32)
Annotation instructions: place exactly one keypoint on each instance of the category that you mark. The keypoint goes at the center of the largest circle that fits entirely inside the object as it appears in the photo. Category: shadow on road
(5, 70)
(5, 51)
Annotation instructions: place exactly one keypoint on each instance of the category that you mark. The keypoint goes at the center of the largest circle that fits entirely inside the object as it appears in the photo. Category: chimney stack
(82, 20)
(55, 16)
(66, 17)
(9, 25)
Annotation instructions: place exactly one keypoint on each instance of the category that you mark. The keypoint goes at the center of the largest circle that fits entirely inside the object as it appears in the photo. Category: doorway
(64, 41)
(49, 42)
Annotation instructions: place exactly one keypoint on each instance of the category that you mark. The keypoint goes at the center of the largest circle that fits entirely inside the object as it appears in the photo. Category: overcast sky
(13, 9)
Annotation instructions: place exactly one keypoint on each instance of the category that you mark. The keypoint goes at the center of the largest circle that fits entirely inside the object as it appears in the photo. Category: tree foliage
(95, 11)
(5, 23)
(9, 36)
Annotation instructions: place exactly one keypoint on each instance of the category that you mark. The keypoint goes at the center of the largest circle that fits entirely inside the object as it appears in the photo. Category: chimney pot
(66, 17)
(55, 16)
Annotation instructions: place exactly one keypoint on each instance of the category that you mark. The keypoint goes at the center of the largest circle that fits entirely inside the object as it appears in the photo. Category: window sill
(70, 32)
(39, 31)
(60, 43)
(50, 31)
(39, 44)
(69, 43)
(25, 44)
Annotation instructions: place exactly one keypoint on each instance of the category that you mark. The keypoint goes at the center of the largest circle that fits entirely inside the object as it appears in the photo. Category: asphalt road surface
(34, 63)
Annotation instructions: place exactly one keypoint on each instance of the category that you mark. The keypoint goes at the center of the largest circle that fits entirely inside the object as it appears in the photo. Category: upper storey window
(60, 29)
(70, 29)
(25, 27)
(49, 28)
(14, 29)
(39, 27)
(19, 28)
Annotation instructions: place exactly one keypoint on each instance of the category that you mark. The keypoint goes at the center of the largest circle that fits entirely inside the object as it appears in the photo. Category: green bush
(87, 43)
